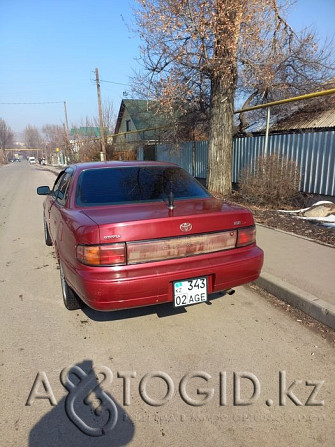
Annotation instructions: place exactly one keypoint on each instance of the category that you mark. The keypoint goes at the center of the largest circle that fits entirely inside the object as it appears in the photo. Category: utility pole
(66, 121)
(103, 154)
(67, 141)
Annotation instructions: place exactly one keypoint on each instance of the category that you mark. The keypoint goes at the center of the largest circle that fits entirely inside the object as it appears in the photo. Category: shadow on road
(161, 310)
(87, 416)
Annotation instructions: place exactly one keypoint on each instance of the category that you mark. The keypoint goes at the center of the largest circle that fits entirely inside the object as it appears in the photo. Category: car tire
(71, 300)
(47, 237)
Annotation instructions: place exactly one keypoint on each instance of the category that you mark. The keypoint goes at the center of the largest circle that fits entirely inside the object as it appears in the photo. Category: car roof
(114, 164)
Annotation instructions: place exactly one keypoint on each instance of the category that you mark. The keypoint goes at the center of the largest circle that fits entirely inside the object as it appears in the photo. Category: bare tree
(109, 122)
(6, 138)
(32, 138)
(109, 116)
(86, 140)
(196, 53)
(54, 137)
(292, 65)
(86, 136)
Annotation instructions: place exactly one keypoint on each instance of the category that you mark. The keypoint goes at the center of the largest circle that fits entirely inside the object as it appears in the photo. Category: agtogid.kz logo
(95, 413)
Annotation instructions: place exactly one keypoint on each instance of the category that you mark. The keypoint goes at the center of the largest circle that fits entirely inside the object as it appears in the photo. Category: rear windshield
(108, 186)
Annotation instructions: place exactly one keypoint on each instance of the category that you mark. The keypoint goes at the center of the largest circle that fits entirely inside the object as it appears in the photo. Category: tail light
(113, 254)
(180, 247)
(163, 249)
(246, 236)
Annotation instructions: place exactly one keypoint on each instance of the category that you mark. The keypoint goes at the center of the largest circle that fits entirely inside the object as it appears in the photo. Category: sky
(50, 48)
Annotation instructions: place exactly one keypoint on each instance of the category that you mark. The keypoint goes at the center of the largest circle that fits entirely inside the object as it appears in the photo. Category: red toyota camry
(130, 234)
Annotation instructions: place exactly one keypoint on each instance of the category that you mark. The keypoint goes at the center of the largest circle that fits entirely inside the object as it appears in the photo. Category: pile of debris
(322, 212)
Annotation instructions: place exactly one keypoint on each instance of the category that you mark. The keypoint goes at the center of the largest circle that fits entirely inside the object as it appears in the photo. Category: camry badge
(185, 227)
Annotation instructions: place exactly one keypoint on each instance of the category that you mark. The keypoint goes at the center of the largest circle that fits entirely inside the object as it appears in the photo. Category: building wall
(126, 116)
(123, 140)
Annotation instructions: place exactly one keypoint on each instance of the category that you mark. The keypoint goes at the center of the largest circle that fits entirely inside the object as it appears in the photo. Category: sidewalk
(299, 271)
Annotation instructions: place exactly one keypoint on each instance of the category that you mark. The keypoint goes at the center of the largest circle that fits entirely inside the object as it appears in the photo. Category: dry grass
(271, 180)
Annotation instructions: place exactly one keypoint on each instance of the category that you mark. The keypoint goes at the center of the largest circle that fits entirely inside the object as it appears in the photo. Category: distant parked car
(32, 160)
(130, 234)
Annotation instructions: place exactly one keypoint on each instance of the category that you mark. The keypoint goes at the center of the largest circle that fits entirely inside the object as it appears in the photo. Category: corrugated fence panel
(192, 156)
(201, 159)
(314, 153)
(182, 155)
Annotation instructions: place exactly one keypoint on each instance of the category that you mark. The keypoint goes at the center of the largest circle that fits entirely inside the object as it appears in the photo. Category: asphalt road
(243, 350)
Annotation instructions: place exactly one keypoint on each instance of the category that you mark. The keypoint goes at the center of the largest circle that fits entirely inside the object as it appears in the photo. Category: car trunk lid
(150, 221)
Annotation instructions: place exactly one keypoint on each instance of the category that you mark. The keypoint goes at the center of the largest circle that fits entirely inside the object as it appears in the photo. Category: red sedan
(130, 234)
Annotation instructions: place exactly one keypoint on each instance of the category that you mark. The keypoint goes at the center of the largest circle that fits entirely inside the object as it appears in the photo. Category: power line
(108, 82)
(46, 102)
(112, 82)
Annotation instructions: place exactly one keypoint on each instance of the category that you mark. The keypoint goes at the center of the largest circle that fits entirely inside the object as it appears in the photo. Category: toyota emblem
(185, 227)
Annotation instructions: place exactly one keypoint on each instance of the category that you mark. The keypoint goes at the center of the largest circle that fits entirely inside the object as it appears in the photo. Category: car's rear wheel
(71, 300)
(47, 237)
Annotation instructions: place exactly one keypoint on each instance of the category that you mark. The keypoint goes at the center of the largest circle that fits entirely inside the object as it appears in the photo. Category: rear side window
(57, 184)
(64, 188)
(107, 186)
(61, 187)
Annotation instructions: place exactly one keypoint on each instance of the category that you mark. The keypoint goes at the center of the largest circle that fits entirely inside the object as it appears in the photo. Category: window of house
(128, 125)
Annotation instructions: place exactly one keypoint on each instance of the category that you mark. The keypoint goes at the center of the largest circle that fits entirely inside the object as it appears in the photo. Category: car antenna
(171, 200)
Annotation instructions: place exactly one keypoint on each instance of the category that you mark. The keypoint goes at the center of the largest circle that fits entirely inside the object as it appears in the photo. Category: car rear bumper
(114, 288)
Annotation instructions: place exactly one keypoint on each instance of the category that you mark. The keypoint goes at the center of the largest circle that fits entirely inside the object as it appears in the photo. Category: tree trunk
(3, 155)
(220, 137)
(223, 86)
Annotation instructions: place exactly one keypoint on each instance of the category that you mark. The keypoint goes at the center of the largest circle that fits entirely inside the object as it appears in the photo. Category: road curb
(49, 168)
(310, 304)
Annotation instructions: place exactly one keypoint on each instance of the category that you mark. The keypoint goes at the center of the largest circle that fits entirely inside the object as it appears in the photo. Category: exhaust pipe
(230, 292)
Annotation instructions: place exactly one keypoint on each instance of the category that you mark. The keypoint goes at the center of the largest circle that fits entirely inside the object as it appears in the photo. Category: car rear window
(108, 186)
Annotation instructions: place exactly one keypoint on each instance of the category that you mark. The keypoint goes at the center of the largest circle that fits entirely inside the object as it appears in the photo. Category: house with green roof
(139, 127)
(87, 132)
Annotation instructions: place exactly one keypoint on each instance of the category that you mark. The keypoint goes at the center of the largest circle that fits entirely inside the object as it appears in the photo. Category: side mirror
(43, 190)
